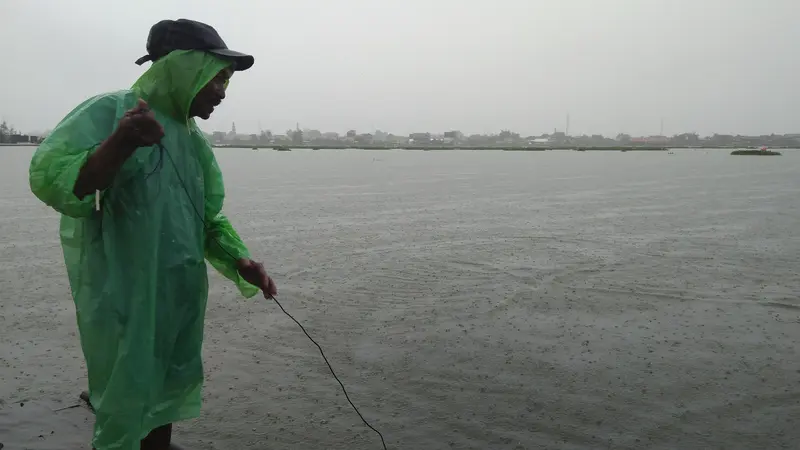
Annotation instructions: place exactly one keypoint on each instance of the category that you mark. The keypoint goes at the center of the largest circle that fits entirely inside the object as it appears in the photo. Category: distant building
(312, 135)
(22, 139)
(420, 138)
(364, 139)
(392, 139)
(452, 137)
(380, 136)
(650, 140)
(218, 137)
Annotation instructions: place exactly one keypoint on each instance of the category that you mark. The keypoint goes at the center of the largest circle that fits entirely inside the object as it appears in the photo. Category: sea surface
(467, 299)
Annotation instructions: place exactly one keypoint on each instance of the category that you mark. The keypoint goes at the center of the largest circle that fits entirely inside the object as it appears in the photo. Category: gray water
(470, 300)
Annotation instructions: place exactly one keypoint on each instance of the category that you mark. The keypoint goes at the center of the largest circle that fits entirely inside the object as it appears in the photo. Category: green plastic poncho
(137, 267)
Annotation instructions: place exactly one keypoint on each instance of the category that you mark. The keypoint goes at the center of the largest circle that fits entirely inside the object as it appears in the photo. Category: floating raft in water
(755, 153)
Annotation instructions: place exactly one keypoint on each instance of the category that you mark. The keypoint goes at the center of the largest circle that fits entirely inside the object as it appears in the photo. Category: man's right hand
(139, 127)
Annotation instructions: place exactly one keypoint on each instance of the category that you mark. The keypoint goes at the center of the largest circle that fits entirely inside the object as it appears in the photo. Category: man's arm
(88, 149)
(59, 159)
(137, 128)
(225, 250)
(103, 165)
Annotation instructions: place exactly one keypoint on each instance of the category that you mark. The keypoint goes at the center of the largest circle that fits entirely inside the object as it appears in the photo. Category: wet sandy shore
(468, 300)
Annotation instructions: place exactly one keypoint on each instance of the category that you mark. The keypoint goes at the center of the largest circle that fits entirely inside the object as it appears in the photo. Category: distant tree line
(6, 131)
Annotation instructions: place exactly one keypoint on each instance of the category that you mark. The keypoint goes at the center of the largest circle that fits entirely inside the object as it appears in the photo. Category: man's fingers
(265, 282)
(270, 290)
(269, 286)
(142, 105)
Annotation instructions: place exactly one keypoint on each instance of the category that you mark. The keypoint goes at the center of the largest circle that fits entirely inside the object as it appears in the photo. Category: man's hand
(254, 273)
(139, 126)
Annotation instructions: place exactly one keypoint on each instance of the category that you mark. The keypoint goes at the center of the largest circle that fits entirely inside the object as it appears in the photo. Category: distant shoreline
(519, 148)
(619, 148)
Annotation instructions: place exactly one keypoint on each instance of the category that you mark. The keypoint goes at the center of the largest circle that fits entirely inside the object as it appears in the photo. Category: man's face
(211, 95)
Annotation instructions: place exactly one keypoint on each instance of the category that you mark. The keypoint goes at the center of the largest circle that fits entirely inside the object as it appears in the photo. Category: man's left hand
(254, 273)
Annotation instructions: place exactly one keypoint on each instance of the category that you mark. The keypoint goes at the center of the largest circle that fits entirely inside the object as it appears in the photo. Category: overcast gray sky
(727, 66)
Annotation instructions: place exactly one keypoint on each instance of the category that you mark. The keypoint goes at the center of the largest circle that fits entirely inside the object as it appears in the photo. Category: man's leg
(158, 439)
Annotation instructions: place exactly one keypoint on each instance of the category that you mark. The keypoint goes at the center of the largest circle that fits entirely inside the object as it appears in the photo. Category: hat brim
(240, 61)
(143, 60)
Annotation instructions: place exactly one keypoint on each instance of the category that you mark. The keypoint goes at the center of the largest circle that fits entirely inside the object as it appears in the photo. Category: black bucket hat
(184, 34)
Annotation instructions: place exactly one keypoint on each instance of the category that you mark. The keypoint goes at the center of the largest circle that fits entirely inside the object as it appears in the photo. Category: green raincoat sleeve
(223, 246)
(58, 160)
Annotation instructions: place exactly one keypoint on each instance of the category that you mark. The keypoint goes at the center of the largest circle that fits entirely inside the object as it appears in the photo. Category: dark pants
(158, 439)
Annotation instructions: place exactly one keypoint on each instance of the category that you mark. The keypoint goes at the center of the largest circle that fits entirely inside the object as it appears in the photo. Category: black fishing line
(319, 347)
(159, 163)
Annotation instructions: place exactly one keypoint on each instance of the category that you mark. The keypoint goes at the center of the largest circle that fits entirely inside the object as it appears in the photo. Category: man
(141, 195)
